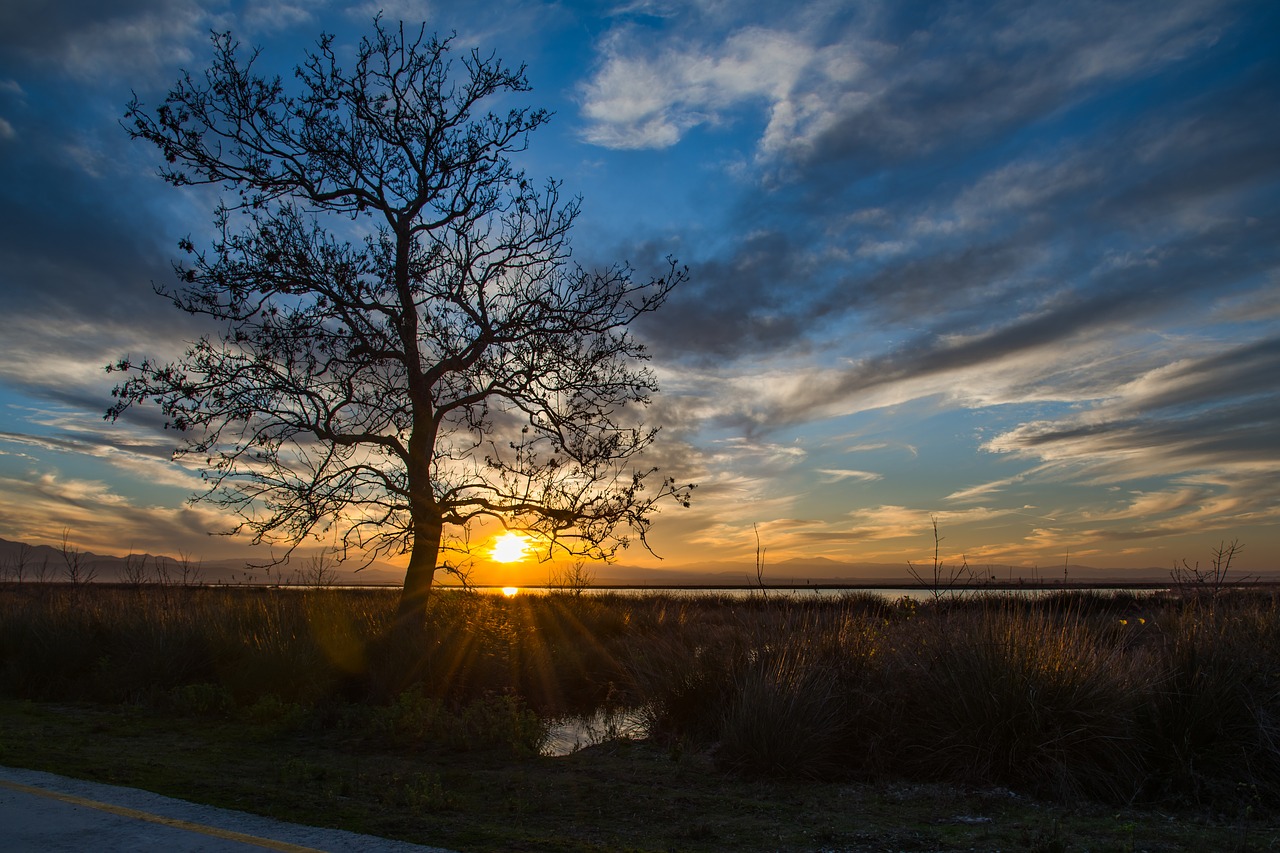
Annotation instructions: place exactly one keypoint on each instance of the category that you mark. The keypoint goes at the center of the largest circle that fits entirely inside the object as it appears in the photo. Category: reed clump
(1125, 699)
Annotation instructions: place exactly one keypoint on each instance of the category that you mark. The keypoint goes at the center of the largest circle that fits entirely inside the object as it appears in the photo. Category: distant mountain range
(44, 562)
(37, 562)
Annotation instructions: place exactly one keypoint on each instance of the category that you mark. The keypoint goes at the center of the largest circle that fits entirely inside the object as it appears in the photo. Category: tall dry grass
(1118, 698)
(1115, 698)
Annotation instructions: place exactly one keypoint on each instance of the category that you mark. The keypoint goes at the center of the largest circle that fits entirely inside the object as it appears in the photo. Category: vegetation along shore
(1065, 721)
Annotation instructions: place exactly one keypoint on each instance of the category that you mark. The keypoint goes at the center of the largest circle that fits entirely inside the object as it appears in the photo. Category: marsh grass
(1038, 700)
(787, 709)
(1115, 698)
(1121, 699)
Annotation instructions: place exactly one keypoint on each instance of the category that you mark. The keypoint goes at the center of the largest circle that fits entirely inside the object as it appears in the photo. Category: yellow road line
(163, 821)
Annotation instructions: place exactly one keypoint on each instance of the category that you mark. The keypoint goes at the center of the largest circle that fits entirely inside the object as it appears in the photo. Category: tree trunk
(421, 572)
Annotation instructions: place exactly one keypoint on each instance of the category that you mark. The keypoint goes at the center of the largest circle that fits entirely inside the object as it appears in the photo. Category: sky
(1013, 267)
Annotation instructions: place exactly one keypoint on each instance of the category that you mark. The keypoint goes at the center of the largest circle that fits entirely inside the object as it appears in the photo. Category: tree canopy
(407, 347)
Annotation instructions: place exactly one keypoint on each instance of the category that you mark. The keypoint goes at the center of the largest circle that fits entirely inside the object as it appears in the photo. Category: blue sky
(1014, 266)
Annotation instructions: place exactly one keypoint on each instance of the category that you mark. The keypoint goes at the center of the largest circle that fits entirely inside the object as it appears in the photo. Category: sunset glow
(509, 548)
(1012, 270)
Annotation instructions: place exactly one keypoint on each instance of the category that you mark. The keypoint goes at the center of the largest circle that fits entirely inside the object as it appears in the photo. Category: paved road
(48, 813)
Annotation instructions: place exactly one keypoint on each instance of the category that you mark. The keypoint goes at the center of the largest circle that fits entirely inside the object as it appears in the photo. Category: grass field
(1068, 722)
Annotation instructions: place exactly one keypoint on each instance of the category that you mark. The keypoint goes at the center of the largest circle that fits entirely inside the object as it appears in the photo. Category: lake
(892, 593)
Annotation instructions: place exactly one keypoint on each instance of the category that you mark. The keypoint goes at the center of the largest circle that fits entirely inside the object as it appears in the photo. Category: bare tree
(941, 580)
(319, 570)
(188, 569)
(408, 348)
(18, 564)
(574, 578)
(76, 567)
(163, 567)
(760, 551)
(1196, 583)
(135, 571)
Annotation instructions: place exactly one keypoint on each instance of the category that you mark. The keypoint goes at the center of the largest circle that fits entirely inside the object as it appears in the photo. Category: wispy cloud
(99, 519)
(147, 463)
(836, 475)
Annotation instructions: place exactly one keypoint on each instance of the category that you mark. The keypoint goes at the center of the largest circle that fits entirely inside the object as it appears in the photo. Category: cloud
(987, 491)
(1207, 425)
(1150, 505)
(891, 521)
(880, 83)
(639, 99)
(735, 305)
(90, 40)
(266, 17)
(80, 253)
(963, 74)
(145, 459)
(97, 518)
(836, 475)
(1102, 232)
(1115, 223)
(1057, 273)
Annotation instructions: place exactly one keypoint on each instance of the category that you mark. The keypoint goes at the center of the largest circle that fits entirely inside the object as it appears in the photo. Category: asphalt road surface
(48, 813)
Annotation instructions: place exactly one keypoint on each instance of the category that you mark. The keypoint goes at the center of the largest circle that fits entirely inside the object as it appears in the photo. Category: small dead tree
(573, 578)
(188, 569)
(135, 572)
(942, 580)
(76, 567)
(319, 570)
(19, 563)
(1194, 582)
(760, 551)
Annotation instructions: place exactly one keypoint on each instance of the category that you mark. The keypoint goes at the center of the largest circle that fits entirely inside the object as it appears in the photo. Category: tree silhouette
(406, 345)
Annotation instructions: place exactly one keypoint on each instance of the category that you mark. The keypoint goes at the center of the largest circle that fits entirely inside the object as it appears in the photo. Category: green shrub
(417, 720)
(270, 711)
(203, 699)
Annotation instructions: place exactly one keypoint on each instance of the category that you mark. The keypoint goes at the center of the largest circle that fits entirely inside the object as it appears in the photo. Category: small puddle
(567, 735)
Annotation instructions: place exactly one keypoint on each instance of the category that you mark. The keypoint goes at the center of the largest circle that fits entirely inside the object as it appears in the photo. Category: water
(787, 592)
(890, 593)
(567, 735)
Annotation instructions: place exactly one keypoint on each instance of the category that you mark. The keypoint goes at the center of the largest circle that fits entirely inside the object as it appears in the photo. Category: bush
(1034, 701)
(1212, 729)
(417, 720)
(784, 718)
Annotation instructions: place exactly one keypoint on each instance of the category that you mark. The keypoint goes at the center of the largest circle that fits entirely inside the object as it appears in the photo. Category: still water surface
(890, 593)
(567, 735)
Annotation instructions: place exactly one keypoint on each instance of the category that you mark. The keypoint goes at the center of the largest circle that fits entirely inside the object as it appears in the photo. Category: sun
(509, 548)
